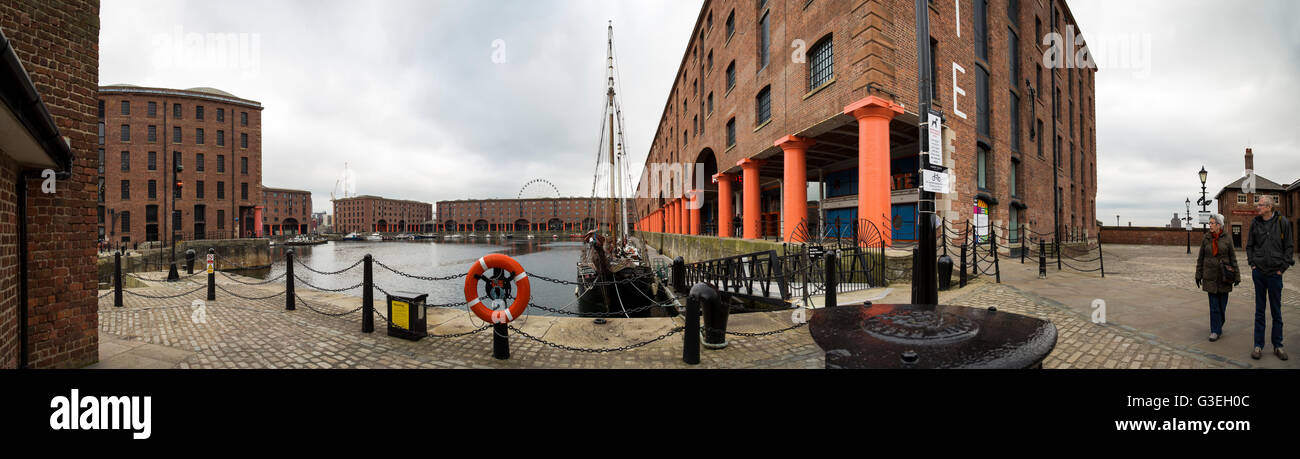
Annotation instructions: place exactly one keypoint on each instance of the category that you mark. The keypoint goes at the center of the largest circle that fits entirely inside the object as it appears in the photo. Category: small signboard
(935, 127)
(212, 262)
(934, 182)
(1203, 217)
(816, 251)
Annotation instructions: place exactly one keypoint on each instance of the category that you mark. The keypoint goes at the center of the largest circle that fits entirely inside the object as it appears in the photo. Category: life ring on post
(492, 307)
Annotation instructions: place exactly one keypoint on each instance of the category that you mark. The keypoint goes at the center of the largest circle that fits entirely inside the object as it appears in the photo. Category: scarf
(1214, 243)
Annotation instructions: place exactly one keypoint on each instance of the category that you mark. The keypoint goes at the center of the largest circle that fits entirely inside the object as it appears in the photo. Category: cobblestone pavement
(256, 331)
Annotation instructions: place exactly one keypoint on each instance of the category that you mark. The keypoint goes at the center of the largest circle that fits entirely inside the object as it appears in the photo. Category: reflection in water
(556, 259)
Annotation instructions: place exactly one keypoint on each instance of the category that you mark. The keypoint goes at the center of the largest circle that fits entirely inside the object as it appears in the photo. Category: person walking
(1268, 251)
(1217, 273)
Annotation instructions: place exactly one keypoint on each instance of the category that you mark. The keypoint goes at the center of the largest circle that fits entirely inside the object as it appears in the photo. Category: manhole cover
(920, 326)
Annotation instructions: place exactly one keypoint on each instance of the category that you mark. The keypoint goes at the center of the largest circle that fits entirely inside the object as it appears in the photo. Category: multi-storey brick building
(774, 94)
(534, 214)
(286, 211)
(373, 213)
(215, 138)
(1238, 206)
(49, 61)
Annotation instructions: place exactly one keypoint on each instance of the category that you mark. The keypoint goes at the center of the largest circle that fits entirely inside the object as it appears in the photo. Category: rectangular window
(1015, 122)
(126, 221)
(1013, 56)
(153, 109)
(1014, 178)
(243, 118)
(221, 114)
(764, 38)
(221, 137)
(981, 30)
(1040, 138)
(821, 66)
(176, 134)
(101, 132)
(153, 189)
(981, 168)
(198, 189)
(982, 101)
(731, 24)
(710, 103)
(126, 133)
(176, 111)
(153, 160)
(221, 219)
(126, 190)
(731, 133)
(198, 162)
(934, 69)
(763, 105)
(243, 191)
(731, 75)
(198, 112)
(176, 159)
(126, 107)
(153, 133)
(221, 190)
(126, 161)
(198, 136)
(243, 140)
(243, 165)
(221, 163)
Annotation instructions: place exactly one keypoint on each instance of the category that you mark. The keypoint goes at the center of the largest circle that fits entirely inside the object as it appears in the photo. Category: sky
(438, 100)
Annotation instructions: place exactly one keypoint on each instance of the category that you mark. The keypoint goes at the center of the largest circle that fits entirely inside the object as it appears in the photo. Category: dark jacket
(1270, 245)
(1209, 268)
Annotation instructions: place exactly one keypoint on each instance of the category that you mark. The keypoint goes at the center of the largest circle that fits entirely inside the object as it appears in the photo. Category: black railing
(753, 274)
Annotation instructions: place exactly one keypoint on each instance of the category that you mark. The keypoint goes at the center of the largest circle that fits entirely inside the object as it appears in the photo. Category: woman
(1216, 273)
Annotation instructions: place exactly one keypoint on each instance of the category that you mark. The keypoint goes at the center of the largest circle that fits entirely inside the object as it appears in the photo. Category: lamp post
(1189, 225)
(1203, 202)
(172, 274)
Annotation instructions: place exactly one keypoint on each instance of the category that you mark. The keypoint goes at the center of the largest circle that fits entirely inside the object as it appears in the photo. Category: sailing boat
(612, 276)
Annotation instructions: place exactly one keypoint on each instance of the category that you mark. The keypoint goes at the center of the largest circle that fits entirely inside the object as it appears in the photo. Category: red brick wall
(362, 213)
(1147, 235)
(507, 211)
(139, 146)
(58, 43)
(277, 208)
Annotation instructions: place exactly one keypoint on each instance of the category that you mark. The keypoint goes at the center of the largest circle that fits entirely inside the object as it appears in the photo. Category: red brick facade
(224, 186)
(286, 211)
(365, 214)
(873, 45)
(1149, 235)
(58, 45)
(541, 214)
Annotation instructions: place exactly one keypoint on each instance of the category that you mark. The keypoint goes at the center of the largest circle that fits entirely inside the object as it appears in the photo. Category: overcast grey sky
(408, 93)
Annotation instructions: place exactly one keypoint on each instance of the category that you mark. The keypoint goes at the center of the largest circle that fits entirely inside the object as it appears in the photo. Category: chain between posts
(201, 287)
(159, 280)
(299, 279)
(330, 273)
(754, 334)
(413, 276)
(628, 347)
(237, 281)
(236, 295)
(308, 305)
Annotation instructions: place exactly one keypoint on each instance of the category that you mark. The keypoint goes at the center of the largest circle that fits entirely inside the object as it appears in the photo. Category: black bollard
(691, 340)
(1058, 253)
(367, 296)
(1042, 261)
(945, 272)
(832, 281)
(212, 275)
(189, 261)
(715, 316)
(117, 279)
(1101, 256)
(993, 247)
(1023, 248)
(500, 341)
(289, 296)
(961, 277)
(679, 275)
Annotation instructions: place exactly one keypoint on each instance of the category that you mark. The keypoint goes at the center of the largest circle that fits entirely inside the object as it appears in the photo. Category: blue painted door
(839, 222)
(904, 222)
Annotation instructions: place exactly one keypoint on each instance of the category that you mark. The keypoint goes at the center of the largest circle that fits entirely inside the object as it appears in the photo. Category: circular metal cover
(914, 325)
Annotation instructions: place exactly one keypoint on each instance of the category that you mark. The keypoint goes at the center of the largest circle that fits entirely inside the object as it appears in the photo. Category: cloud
(407, 92)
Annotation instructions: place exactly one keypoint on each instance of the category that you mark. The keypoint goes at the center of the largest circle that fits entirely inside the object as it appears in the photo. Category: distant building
(286, 211)
(321, 221)
(377, 214)
(1238, 206)
(533, 214)
(1175, 222)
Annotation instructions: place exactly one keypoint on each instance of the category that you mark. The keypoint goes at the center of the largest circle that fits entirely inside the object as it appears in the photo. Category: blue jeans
(1218, 312)
(1269, 284)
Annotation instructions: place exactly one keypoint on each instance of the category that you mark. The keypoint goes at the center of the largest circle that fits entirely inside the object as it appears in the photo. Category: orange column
(795, 214)
(677, 216)
(686, 213)
(696, 202)
(669, 222)
(749, 196)
(724, 204)
(873, 115)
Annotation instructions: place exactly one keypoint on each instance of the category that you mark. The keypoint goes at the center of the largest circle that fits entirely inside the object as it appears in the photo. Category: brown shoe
(1257, 353)
(1280, 353)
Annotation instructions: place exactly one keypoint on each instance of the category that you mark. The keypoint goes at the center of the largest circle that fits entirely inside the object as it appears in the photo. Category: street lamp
(1202, 201)
(172, 274)
(1189, 225)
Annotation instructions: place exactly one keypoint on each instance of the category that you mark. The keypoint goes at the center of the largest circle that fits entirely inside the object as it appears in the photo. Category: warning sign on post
(935, 128)
(211, 262)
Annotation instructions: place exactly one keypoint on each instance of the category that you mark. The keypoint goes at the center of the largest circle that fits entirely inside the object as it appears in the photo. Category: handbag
(1227, 273)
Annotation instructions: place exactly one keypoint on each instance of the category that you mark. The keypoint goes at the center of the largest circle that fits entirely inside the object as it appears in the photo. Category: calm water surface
(556, 259)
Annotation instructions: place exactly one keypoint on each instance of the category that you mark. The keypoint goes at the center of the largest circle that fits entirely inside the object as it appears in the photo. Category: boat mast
(609, 92)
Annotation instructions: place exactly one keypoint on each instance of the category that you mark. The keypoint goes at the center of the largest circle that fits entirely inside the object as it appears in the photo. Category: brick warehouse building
(286, 212)
(761, 124)
(214, 136)
(373, 213)
(532, 214)
(49, 67)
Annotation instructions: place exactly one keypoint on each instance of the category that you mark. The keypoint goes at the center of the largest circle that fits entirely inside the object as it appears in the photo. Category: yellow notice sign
(401, 314)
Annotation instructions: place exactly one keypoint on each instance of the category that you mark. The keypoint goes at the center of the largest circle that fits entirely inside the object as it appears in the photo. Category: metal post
(691, 340)
(965, 242)
(679, 275)
(367, 296)
(289, 295)
(1058, 251)
(1042, 261)
(500, 341)
(117, 279)
(993, 246)
(831, 281)
(1101, 255)
(212, 276)
(1024, 246)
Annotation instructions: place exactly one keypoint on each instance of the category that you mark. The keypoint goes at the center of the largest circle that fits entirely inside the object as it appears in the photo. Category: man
(1268, 251)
